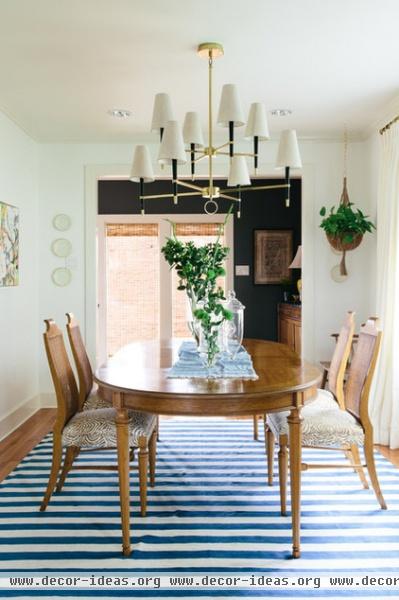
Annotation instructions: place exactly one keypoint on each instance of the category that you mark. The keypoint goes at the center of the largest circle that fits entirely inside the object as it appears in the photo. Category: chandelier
(177, 144)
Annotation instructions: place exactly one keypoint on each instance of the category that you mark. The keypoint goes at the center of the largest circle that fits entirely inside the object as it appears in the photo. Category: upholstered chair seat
(324, 424)
(96, 427)
(94, 400)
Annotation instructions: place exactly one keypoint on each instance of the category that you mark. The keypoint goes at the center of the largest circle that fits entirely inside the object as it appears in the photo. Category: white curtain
(384, 405)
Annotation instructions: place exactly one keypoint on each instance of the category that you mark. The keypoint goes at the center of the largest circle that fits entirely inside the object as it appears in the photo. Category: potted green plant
(198, 268)
(345, 226)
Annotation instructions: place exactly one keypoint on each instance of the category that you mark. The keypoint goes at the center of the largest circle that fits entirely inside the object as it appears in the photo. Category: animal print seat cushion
(96, 401)
(96, 428)
(324, 424)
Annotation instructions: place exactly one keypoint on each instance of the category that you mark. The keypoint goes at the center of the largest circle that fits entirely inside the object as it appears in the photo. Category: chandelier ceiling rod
(173, 152)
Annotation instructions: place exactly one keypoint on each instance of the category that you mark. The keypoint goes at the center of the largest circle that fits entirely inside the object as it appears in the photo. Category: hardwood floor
(391, 455)
(19, 443)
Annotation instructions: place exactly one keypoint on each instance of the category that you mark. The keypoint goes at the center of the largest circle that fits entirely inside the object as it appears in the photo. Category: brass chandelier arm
(216, 150)
(226, 197)
(250, 154)
(157, 196)
(204, 155)
(190, 186)
(243, 188)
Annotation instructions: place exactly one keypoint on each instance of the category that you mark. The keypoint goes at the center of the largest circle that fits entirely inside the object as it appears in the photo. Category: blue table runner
(190, 364)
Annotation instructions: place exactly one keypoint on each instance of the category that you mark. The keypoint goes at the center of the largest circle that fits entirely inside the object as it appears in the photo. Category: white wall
(62, 189)
(19, 332)
(332, 299)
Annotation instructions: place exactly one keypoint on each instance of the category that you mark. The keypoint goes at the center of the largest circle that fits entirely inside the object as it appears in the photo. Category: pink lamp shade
(297, 262)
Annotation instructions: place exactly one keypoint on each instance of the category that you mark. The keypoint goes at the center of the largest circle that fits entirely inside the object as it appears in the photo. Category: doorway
(137, 291)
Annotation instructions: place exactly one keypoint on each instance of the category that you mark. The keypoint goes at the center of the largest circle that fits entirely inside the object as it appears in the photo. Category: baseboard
(14, 419)
(48, 400)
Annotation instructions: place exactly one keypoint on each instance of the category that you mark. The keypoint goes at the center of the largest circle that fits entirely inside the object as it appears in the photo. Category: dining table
(138, 378)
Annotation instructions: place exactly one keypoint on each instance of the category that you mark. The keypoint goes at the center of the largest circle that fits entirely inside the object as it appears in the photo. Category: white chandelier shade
(288, 151)
(162, 112)
(238, 174)
(257, 122)
(142, 167)
(230, 110)
(192, 133)
(172, 145)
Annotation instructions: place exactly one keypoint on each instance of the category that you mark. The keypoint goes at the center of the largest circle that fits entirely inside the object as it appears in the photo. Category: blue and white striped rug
(210, 512)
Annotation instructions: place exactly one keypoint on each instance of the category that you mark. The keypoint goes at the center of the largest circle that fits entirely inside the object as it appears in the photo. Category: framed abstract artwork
(273, 255)
(9, 245)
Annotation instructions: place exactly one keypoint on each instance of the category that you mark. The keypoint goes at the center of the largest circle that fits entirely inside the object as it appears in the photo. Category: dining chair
(326, 364)
(336, 390)
(334, 393)
(89, 395)
(90, 429)
(328, 426)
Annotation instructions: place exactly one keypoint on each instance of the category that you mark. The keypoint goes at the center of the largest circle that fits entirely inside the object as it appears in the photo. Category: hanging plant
(345, 226)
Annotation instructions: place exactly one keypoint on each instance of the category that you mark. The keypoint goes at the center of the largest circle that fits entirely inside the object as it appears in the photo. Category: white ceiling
(64, 63)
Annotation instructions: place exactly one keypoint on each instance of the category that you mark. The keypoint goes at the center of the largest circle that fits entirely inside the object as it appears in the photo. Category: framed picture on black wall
(273, 255)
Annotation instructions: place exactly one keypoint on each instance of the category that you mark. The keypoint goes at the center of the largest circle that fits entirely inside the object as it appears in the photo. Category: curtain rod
(388, 125)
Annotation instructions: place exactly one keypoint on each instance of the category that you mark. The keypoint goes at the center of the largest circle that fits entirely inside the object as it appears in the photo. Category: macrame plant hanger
(344, 200)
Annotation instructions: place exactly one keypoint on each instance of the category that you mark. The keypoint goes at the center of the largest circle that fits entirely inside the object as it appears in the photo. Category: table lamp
(297, 264)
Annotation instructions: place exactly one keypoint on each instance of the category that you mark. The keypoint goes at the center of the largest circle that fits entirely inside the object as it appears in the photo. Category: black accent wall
(260, 210)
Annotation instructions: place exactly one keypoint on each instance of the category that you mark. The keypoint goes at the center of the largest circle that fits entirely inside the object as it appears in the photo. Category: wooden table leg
(294, 421)
(122, 433)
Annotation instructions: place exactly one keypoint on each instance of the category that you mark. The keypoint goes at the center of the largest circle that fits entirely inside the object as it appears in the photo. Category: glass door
(137, 292)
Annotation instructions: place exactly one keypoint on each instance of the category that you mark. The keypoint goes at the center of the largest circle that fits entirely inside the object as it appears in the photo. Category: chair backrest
(339, 359)
(361, 371)
(83, 367)
(61, 371)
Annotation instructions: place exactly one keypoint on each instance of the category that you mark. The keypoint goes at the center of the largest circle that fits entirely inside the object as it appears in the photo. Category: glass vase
(234, 328)
(211, 342)
(192, 322)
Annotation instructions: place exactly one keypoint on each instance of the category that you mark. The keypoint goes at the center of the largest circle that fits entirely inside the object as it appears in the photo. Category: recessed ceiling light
(281, 112)
(120, 113)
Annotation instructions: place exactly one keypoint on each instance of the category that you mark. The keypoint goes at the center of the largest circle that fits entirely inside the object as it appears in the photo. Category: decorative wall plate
(61, 276)
(62, 222)
(61, 247)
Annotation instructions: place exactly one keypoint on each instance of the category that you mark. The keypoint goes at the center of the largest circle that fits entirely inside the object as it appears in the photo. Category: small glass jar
(234, 328)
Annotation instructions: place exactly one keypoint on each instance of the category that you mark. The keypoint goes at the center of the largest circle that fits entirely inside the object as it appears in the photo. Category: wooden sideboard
(289, 325)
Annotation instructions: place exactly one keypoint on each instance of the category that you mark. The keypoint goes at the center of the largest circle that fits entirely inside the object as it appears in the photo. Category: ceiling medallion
(119, 113)
(281, 112)
(176, 144)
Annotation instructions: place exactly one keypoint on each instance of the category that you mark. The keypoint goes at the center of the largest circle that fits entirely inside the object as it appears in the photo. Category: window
(132, 267)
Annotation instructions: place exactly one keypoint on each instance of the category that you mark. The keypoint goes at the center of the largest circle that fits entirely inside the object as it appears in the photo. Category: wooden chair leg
(152, 447)
(323, 384)
(143, 473)
(55, 467)
(354, 458)
(269, 443)
(70, 455)
(157, 428)
(255, 421)
(282, 472)
(369, 455)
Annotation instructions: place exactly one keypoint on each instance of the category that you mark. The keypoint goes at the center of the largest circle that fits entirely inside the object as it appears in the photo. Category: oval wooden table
(137, 376)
